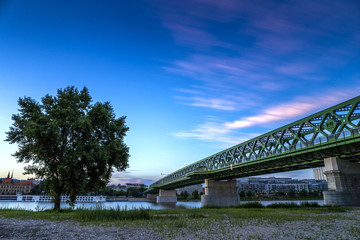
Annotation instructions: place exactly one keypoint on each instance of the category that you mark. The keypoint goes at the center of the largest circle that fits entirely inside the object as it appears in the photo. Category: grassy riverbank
(276, 211)
(251, 221)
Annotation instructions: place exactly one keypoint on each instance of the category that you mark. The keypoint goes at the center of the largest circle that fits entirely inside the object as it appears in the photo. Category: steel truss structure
(298, 145)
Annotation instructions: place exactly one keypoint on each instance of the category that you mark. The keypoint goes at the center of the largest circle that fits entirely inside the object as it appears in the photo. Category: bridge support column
(166, 196)
(220, 194)
(151, 196)
(343, 178)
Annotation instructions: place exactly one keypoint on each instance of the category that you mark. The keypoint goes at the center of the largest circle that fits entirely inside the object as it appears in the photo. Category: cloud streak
(214, 103)
(214, 131)
(129, 177)
(226, 133)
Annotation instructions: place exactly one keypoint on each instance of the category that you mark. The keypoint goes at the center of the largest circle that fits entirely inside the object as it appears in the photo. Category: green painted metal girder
(331, 132)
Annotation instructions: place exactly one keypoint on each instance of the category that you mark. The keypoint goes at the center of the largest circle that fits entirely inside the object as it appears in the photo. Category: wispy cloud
(214, 131)
(214, 103)
(227, 99)
(130, 177)
(226, 132)
(297, 108)
(284, 111)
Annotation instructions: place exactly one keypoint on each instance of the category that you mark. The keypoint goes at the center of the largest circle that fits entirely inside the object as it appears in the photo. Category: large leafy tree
(75, 144)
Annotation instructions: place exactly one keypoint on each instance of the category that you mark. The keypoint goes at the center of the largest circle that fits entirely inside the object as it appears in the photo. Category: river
(37, 206)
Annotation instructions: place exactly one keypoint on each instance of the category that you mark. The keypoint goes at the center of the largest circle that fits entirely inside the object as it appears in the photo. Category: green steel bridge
(333, 132)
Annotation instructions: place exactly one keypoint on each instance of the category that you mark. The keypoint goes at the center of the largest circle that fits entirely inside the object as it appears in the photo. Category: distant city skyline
(192, 77)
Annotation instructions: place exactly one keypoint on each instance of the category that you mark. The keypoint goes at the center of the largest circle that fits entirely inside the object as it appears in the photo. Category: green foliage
(283, 205)
(195, 194)
(134, 192)
(113, 214)
(196, 215)
(105, 191)
(142, 190)
(74, 144)
(249, 194)
(120, 193)
(294, 205)
(303, 193)
(242, 194)
(309, 204)
(39, 189)
(97, 214)
(250, 205)
(291, 193)
(184, 194)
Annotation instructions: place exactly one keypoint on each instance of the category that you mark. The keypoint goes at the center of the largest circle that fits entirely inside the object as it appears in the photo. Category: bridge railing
(331, 125)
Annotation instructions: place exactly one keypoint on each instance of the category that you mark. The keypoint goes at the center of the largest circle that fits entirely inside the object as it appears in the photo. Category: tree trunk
(57, 201)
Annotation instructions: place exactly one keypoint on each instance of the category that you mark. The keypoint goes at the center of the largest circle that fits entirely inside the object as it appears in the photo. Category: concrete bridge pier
(220, 194)
(166, 196)
(343, 178)
(152, 197)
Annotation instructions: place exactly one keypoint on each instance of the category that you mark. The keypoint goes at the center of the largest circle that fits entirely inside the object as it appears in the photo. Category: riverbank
(222, 223)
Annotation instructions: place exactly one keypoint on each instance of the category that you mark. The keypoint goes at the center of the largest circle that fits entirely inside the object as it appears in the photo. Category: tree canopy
(71, 142)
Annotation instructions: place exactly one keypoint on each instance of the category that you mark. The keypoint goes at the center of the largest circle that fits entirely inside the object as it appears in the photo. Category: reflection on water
(123, 205)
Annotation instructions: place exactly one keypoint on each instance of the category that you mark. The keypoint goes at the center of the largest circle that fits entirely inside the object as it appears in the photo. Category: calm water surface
(36, 206)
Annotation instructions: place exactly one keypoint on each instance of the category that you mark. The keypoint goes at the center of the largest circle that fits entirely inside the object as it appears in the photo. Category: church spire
(12, 174)
(8, 175)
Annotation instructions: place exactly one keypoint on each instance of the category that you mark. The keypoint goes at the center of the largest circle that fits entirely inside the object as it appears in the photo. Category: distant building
(267, 185)
(9, 186)
(34, 181)
(121, 187)
(135, 185)
(125, 187)
(319, 173)
(190, 189)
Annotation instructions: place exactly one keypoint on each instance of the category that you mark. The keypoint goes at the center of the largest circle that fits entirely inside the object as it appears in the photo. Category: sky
(192, 77)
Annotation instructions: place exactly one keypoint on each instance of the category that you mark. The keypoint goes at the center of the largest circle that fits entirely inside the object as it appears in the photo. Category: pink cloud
(294, 109)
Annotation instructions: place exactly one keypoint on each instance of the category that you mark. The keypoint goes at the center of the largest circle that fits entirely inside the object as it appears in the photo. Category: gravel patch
(44, 229)
(343, 225)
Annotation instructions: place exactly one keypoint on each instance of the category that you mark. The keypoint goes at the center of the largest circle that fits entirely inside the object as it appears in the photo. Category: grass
(284, 197)
(285, 205)
(278, 212)
(113, 214)
(97, 214)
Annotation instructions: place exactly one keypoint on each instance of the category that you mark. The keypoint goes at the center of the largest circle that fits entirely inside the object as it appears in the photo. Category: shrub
(250, 205)
(283, 205)
(309, 204)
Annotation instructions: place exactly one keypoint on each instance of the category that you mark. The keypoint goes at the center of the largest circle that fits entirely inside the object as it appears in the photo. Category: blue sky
(192, 77)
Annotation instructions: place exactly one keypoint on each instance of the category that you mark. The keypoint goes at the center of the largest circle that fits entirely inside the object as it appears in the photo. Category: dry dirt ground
(345, 225)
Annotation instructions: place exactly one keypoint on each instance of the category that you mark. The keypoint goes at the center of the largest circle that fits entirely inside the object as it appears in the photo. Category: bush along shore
(246, 221)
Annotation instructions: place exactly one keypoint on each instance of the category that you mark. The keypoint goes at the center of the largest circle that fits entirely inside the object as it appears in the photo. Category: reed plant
(283, 205)
(100, 213)
(251, 205)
